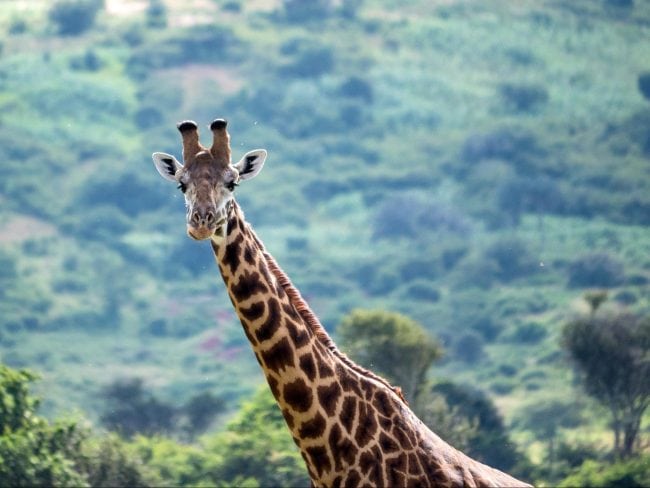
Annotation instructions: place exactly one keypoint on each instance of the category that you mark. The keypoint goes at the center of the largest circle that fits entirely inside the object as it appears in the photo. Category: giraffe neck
(350, 425)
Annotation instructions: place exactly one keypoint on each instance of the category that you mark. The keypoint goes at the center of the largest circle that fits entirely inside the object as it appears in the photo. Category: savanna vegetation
(459, 189)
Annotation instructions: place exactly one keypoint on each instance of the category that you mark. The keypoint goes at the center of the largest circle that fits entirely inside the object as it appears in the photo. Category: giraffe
(351, 426)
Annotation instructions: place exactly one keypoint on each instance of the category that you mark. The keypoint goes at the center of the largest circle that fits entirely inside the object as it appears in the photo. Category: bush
(131, 410)
(157, 14)
(423, 290)
(299, 11)
(73, 17)
(356, 87)
(469, 348)
(489, 443)
(512, 259)
(407, 215)
(390, 343)
(628, 474)
(529, 333)
(311, 61)
(523, 97)
(512, 145)
(597, 270)
(644, 84)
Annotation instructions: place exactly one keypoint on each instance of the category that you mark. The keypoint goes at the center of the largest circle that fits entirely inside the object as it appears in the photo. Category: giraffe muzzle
(202, 232)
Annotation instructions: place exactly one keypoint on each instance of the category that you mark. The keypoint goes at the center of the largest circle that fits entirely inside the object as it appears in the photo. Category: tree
(390, 344)
(596, 269)
(611, 354)
(131, 410)
(630, 473)
(488, 439)
(644, 84)
(257, 448)
(73, 17)
(33, 452)
(200, 410)
(545, 419)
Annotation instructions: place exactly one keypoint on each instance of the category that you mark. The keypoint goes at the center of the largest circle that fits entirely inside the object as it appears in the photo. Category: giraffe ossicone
(352, 427)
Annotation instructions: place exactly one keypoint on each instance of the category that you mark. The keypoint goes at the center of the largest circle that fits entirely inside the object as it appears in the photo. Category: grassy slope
(435, 78)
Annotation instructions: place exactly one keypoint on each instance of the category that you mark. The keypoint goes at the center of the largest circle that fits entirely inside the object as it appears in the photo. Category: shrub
(311, 61)
(73, 17)
(622, 4)
(89, 61)
(156, 14)
(511, 257)
(18, 26)
(518, 194)
(423, 290)
(489, 442)
(406, 215)
(392, 344)
(529, 333)
(469, 348)
(523, 97)
(356, 87)
(630, 473)
(130, 409)
(644, 84)
(299, 11)
(597, 270)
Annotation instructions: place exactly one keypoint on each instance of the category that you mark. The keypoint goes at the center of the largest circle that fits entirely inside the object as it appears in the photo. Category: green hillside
(477, 166)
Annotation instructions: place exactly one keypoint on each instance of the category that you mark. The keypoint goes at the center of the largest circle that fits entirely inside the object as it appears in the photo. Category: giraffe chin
(201, 233)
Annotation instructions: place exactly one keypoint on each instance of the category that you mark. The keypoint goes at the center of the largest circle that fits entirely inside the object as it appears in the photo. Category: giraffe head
(207, 178)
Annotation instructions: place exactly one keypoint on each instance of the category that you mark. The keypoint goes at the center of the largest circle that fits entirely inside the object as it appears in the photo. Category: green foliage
(131, 410)
(257, 446)
(156, 14)
(523, 97)
(108, 462)
(390, 344)
(298, 11)
(644, 84)
(596, 270)
(610, 353)
(172, 463)
(74, 17)
(488, 440)
(33, 452)
(630, 473)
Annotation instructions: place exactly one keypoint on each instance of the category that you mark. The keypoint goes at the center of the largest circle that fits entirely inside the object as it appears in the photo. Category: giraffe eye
(182, 187)
(231, 186)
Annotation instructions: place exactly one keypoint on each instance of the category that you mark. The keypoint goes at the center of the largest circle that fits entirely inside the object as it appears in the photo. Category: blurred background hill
(475, 166)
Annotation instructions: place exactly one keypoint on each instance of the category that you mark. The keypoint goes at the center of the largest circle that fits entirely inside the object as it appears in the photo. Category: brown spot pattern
(231, 254)
(298, 395)
(272, 322)
(343, 446)
(278, 357)
(319, 459)
(348, 412)
(254, 312)
(308, 366)
(367, 425)
(328, 397)
(298, 334)
(248, 285)
(313, 428)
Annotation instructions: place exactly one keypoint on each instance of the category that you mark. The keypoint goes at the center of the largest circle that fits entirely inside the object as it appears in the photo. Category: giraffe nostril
(209, 218)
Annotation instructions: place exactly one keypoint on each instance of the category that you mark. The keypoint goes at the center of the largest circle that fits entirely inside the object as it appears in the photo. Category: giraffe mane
(312, 321)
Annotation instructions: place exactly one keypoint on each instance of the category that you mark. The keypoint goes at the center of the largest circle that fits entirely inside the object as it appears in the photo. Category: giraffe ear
(251, 164)
(167, 165)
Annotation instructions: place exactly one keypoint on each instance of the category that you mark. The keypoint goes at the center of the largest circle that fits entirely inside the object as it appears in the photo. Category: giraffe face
(207, 179)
